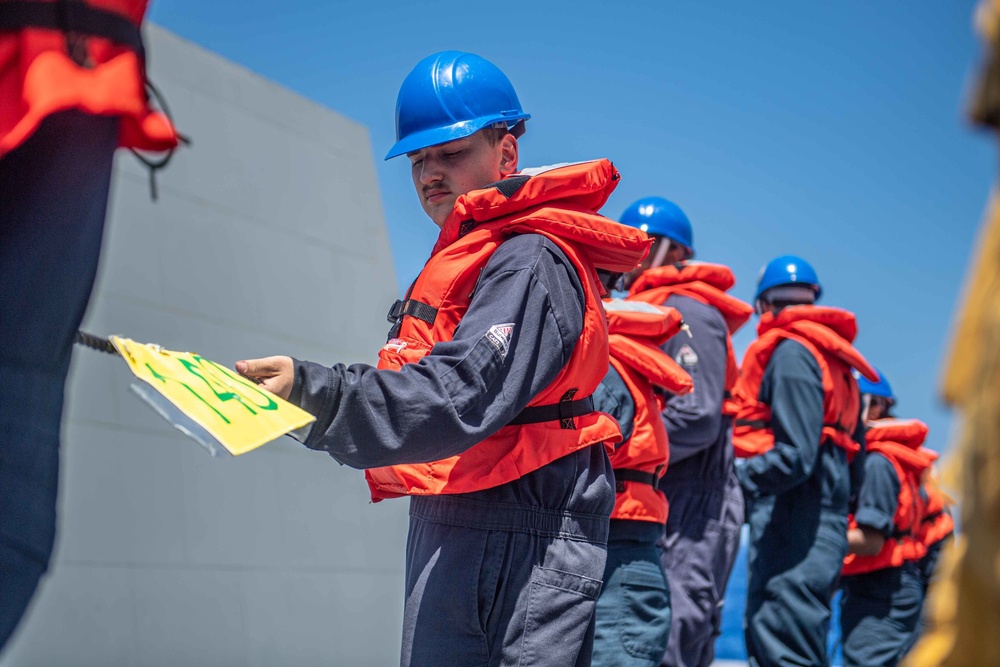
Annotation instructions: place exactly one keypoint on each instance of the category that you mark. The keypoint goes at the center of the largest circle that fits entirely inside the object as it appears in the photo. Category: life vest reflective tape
(827, 334)
(557, 204)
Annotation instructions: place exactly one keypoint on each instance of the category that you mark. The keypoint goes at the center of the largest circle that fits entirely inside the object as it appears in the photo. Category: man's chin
(440, 211)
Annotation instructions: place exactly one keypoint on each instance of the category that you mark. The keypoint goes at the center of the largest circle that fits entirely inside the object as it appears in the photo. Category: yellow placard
(233, 410)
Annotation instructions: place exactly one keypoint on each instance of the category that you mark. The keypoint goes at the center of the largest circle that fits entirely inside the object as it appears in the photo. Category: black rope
(155, 164)
(94, 342)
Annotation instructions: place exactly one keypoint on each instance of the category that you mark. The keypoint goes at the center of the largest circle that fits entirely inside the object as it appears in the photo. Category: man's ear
(508, 155)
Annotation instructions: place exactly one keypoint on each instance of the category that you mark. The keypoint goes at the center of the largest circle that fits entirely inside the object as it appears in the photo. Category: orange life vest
(704, 282)
(636, 331)
(88, 55)
(827, 333)
(899, 441)
(559, 204)
(937, 522)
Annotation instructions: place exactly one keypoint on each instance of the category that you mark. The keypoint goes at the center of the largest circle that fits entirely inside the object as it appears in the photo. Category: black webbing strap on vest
(413, 308)
(766, 423)
(564, 411)
(900, 534)
(623, 475)
(70, 17)
(932, 517)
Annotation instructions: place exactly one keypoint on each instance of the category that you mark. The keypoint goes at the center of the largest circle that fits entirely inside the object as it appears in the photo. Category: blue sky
(830, 130)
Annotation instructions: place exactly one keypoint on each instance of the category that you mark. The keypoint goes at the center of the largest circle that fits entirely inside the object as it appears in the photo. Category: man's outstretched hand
(276, 374)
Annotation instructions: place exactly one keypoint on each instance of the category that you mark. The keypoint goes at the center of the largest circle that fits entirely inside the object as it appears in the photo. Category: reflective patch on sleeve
(499, 335)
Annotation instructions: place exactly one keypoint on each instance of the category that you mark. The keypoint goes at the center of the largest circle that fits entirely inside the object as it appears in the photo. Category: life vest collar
(717, 275)
(909, 432)
(545, 200)
(701, 281)
(830, 329)
(840, 321)
(655, 324)
(636, 331)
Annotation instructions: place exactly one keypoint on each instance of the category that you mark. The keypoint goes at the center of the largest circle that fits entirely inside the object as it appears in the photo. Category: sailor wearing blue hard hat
(668, 224)
(700, 483)
(797, 423)
(786, 280)
(882, 581)
(481, 408)
(458, 120)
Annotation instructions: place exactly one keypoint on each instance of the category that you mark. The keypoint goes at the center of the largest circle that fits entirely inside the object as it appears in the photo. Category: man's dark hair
(495, 133)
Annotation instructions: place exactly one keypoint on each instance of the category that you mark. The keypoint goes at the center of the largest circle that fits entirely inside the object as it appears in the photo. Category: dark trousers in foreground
(633, 611)
(701, 544)
(519, 591)
(794, 570)
(53, 199)
(879, 613)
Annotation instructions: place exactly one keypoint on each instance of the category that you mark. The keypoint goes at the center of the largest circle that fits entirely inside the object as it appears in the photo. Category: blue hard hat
(880, 388)
(662, 217)
(787, 270)
(450, 95)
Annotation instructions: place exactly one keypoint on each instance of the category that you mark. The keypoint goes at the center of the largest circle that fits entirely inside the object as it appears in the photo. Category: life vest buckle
(395, 312)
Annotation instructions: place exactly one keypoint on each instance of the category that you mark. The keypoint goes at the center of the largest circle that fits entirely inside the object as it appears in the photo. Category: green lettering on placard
(163, 379)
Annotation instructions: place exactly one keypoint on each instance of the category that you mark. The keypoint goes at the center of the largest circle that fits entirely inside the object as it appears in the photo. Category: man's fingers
(259, 368)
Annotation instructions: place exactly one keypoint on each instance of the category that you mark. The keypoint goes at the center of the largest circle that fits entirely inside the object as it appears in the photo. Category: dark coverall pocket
(646, 603)
(560, 611)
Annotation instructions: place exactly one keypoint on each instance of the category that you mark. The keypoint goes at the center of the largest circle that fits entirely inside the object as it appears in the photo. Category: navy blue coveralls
(53, 199)
(706, 504)
(633, 610)
(879, 610)
(797, 495)
(508, 575)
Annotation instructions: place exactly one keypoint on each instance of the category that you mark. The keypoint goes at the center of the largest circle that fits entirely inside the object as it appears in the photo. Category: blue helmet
(880, 388)
(787, 270)
(450, 95)
(662, 217)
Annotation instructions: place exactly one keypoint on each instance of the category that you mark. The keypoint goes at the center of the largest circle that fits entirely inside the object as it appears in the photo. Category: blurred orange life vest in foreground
(898, 440)
(57, 55)
(636, 330)
(827, 333)
(559, 204)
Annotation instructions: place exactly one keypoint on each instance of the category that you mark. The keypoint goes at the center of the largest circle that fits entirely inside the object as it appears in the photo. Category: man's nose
(430, 172)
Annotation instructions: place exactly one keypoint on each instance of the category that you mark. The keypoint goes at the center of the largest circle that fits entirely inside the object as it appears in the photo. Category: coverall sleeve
(793, 387)
(466, 388)
(693, 421)
(879, 495)
(613, 397)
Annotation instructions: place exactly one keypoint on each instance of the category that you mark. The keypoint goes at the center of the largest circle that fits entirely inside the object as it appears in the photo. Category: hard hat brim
(442, 135)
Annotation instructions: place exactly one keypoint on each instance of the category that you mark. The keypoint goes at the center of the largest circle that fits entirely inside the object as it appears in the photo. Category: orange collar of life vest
(581, 187)
(901, 439)
(701, 281)
(832, 330)
(636, 330)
